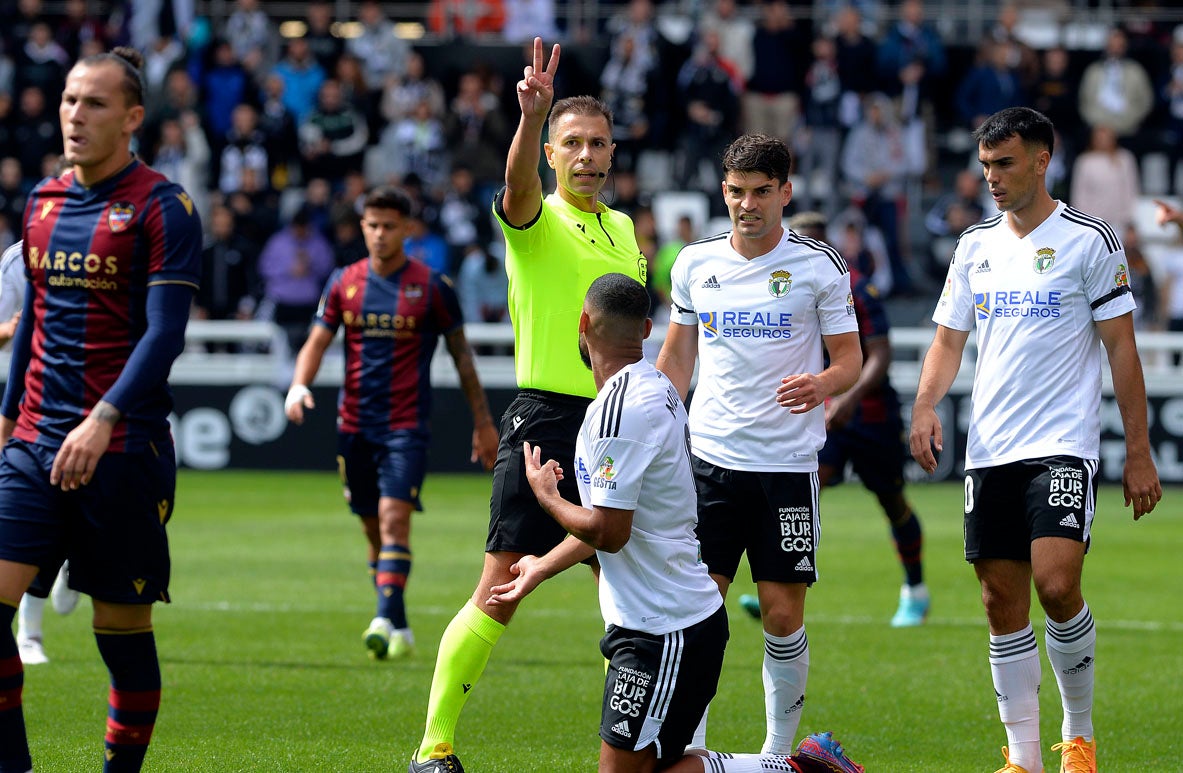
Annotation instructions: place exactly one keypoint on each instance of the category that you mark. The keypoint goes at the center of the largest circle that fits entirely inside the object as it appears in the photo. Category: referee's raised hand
(536, 89)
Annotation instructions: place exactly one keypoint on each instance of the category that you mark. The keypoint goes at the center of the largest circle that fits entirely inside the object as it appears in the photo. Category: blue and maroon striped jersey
(878, 403)
(392, 326)
(90, 256)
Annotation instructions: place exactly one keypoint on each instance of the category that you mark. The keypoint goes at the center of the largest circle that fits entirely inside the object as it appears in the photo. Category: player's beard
(584, 354)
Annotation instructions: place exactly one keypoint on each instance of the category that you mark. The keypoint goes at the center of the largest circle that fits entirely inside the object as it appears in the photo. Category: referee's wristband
(296, 395)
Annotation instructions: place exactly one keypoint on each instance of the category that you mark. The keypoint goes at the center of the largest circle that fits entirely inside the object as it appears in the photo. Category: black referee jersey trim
(613, 407)
(822, 247)
(1112, 243)
(1116, 292)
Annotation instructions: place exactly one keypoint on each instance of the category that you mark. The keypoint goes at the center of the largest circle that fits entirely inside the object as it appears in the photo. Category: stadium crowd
(278, 135)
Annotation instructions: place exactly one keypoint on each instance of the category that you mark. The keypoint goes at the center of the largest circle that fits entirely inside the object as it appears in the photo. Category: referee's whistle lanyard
(605, 230)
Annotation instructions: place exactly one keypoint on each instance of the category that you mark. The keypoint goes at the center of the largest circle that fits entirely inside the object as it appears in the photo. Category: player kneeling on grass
(666, 625)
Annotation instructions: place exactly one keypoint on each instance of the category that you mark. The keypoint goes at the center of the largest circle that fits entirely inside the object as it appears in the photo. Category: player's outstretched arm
(536, 93)
(603, 528)
(941, 364)
(484, 433)
(307, 366)
(1139, 479)
(530, 571)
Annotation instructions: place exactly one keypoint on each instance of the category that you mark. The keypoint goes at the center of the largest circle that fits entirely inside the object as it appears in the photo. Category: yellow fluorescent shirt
(551, 261)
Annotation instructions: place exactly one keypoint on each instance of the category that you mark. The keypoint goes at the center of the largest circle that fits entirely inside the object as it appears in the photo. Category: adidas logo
(1080, 667)
(712, 283)
(1070, 521)
(983, 267)
(804, 565)
(800, 704)
(621, 729)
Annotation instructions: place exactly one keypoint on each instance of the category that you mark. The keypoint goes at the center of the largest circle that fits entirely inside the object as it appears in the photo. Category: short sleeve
(445, 306)
(681, 306)
(1107, 282)
(618, 466)
(955, 307)
(328, 311)
(835, 307)
(173, 231)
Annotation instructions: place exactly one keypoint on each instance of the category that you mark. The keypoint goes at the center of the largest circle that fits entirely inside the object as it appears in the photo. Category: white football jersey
(633, 453)
(12, 282)
(1034, 302)
(758, 321)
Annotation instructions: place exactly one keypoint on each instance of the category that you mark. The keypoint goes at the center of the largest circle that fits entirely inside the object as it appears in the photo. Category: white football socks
(786, 669)
(1014, 665)
(1072, 651)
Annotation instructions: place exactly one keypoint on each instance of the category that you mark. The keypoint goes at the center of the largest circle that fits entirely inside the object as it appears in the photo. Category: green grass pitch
(264, 668)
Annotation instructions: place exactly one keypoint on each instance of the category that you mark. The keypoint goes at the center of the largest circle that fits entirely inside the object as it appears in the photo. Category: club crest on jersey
(413, 291)
(780, 283)
(1044, 258)
(605, 474)
(119, 215)
(1121, 278)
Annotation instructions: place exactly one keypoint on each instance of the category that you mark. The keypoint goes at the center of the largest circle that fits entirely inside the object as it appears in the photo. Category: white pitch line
(1166, 626)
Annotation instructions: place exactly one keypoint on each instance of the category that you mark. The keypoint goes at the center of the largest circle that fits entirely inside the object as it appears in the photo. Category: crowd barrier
(229, 404)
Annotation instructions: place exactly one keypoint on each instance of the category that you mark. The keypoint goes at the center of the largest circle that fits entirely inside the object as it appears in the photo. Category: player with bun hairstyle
(112, 254)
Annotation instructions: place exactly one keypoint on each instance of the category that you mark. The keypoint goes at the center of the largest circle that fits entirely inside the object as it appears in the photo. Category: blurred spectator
(279, 130)
(160, 58)
(318, 202)
(626, 194)
(478, 133)
(1054, 95)
(1021, 58)
(1142, 283)
(183, 156)
(708, 88)
(400, 95)
(463, 217)
(17, 26)
(348, 244)
(627, 83)
(148, 20)
(482, 286)
(225, 87)
(302, 78)
(1105, 181)
(253, 37)
(991, 85)
(1172, 97)
(415, 144)
(35, 132)
(355, 90)
(1115, 91)
(819, 143)
(293, 267)
(736, 35)
(333, 137)
(857, 62)
(912, 67)
(180, 96)
(245, 150)
(8, 148)
(874, 166)
(228, 277)
(771, 104)
(256, 207)
(14, 189)
(382, 52)
(667, 253)
(528, 19)
(465, 18)
(40, 61)
(326, 47)
(951, 214)
(426, 246)
(862, 245)
(7, 72)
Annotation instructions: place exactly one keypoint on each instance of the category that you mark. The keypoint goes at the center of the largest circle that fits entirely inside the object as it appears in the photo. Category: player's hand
(800, 393)
(839, 412)
(7, 425)
(544, 478)
(1140, 484)
(76, 460)
(536, 89)
(528, 576)
(926, 435)
(299, 397)
(1166, 213)
(484, 445)
(8, 329)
